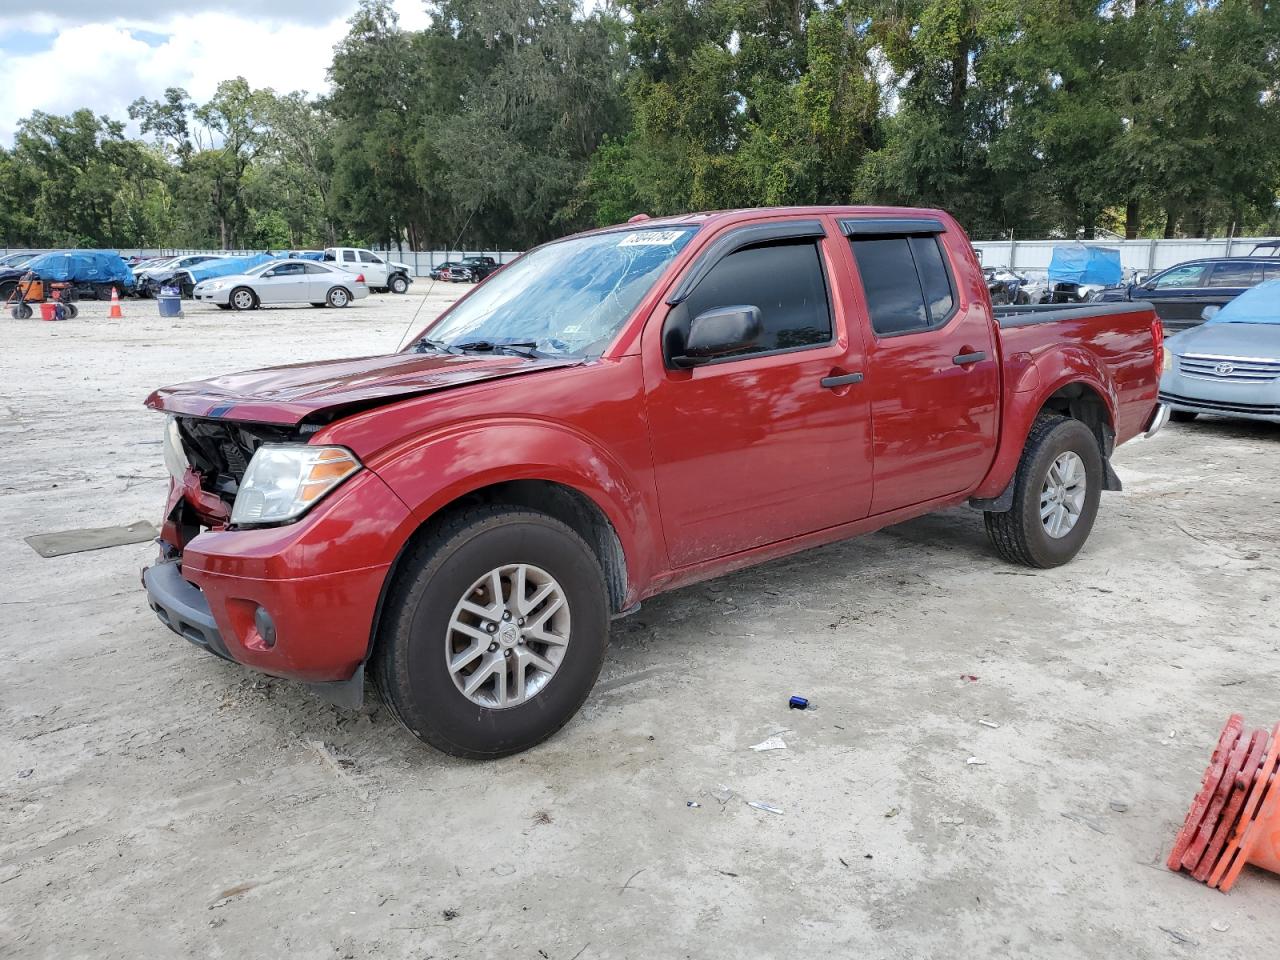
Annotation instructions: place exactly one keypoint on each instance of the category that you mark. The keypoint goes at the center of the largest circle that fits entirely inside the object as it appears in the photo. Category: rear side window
(906, 282)
(784, 281)
(348, 256)
(1234, 274)
(316, 268)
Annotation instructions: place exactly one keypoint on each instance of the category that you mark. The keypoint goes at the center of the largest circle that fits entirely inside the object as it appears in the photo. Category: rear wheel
(242, 298)
(1055, 495)
(338, 297)
(1182, 416)
(494, 632)
(399, 283)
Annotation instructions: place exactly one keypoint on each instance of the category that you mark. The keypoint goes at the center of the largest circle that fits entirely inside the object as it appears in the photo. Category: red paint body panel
(699, 471)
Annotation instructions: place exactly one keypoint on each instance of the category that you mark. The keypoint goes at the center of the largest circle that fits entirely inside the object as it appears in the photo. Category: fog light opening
(265, 626)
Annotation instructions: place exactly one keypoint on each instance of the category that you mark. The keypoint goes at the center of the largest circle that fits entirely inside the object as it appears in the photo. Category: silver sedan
(284, 281)
(1229, 366)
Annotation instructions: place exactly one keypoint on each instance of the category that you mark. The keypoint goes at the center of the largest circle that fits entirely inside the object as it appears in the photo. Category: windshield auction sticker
(651, 238)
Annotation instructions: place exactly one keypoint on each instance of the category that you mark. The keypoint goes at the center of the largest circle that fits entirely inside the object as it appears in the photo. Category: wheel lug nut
(521, 641)
(520, 622)
(506, 614)
(493, 647)
(507, 654)
(491, 627)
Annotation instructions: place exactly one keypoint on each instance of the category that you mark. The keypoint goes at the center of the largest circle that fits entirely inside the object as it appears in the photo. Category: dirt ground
(157, 802)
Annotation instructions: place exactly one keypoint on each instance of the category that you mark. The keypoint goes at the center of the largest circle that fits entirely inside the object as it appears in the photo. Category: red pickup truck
(617, 414)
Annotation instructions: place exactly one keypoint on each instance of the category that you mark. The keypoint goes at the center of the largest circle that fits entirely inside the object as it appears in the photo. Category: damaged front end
(207, 461)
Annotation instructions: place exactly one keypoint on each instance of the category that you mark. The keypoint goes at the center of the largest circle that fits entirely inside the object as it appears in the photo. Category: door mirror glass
(269, 273)
(1208, 313)
(719, 332)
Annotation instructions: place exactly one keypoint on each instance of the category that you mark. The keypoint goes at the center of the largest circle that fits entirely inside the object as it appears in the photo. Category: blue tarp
(303, 254)
(82, 266)
(227, 266)
(1080, 264)
(1260, 304)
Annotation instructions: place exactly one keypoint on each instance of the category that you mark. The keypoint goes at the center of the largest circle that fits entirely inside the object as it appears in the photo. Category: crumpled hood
(1257, 340)
(290, 394)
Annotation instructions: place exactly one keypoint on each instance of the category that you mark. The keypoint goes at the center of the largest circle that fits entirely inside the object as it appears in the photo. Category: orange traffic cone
(116, 313)
(1235, 819)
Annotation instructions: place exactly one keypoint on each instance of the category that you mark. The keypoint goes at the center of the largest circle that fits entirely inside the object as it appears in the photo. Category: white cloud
(107, 62)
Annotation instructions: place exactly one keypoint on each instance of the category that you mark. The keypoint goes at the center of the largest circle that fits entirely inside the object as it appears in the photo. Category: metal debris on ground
(1180, 937)
(975, 762)
(891, 812)
(1119, 806)
(692, 803)
(952, 822)
(990, 723)
(66, 542)
(23, 774)
(772, 743)
(766, 807)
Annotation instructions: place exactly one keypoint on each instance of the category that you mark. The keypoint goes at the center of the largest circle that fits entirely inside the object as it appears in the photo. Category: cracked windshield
(567, 299)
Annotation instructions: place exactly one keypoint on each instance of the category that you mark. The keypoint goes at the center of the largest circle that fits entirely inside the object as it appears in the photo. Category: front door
(762, 445)
(1177, 295)
(933, 374)
(283, 284)
(374, 269)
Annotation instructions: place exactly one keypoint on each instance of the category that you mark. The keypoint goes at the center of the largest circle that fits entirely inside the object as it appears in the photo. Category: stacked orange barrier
(1235, 818)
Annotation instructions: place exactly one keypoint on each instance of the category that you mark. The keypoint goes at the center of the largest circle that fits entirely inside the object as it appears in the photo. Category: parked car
(441, 270)
(472, 269)
(1180, 293)
(1229, 365)
(86, 274)
(617, 414)
(382, 275)
(13, 261)
(284, 281)
(151, 279)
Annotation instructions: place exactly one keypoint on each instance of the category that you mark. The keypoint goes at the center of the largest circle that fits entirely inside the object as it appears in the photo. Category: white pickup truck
(381, 275)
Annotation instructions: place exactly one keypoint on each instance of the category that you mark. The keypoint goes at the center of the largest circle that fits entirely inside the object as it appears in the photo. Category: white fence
(1145, 256)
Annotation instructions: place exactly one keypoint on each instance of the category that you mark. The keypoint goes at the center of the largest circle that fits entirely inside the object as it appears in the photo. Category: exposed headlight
(284, 480)
(175, 458)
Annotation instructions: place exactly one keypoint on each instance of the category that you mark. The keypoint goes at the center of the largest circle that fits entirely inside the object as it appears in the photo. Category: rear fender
(429, 473)
(1056, 368)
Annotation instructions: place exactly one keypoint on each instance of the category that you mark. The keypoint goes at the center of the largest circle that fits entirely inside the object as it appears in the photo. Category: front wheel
(1055, 495)
(399, 284)
(494, 632)
(338, 297)
(242, 298)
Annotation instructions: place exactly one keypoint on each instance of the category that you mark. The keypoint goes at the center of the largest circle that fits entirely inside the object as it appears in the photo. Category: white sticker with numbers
(651, 238)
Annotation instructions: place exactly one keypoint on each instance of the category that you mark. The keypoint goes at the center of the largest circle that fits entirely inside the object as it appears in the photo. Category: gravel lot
(156, 802)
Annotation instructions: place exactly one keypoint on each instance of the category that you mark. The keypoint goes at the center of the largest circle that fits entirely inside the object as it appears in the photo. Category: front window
(1185, 276)
(568, 298)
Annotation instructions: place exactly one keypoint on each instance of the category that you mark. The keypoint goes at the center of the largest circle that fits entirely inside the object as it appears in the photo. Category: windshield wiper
(425, 344)
(521, 348)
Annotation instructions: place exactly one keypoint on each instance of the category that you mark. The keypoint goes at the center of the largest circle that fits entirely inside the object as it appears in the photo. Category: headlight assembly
(284, 480)
(175, 458)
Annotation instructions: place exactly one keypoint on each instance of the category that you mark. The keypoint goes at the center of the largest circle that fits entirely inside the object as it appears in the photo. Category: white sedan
(284, 281)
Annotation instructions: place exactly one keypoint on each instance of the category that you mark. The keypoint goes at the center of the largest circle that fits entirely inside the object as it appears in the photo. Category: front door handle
(964, 359)
(842, 381)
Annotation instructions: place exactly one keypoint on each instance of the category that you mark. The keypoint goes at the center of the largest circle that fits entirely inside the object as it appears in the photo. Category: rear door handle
(832, 382)
(963, 359)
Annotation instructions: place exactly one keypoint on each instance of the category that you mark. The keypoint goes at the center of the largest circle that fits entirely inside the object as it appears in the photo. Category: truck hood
(331, 388)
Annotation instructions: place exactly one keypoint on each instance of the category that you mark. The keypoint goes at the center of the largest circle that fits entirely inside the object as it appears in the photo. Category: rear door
(773, 442)
(933, 375)
(319, 279)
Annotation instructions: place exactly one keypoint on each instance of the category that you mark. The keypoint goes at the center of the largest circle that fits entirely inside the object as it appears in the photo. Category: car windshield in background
(1260, 304)
(567, 298)
(261, 268)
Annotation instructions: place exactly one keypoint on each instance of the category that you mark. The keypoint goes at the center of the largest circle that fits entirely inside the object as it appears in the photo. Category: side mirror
(1208, 313)
(719, 332)
(269, 273)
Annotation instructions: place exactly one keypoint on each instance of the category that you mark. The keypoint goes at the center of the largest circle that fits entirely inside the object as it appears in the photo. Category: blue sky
(60, 55)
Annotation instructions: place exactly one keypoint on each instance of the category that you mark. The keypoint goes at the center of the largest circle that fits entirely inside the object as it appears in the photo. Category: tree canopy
(506, 123)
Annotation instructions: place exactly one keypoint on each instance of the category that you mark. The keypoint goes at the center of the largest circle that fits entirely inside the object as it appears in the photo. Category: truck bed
(1026, 315)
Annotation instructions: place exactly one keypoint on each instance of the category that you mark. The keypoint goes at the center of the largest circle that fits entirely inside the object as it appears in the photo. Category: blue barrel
(170, 302)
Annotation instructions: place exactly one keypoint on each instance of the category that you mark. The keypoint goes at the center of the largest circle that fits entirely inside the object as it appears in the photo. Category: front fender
(1059, 366)
(431, 471)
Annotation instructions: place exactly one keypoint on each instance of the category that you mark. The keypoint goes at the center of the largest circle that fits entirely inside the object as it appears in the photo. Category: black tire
(72, 310)
(1182, 416)
(320, 304)
(409, 662)
(1019, 535)
(242, 298)
(23, 311)
(399, 284)
(338, 297)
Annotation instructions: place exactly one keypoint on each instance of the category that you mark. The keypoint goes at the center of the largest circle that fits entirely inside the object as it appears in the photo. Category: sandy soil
(156, 802)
